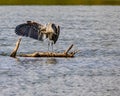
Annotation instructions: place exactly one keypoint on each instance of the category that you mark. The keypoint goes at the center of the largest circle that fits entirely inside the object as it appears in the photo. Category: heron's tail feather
(56, 34)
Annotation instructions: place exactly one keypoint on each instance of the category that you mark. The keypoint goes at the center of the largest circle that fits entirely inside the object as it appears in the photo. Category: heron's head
(50, 28)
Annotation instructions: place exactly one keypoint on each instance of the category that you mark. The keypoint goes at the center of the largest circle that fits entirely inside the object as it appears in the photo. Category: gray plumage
(29, 29)
(37, 31)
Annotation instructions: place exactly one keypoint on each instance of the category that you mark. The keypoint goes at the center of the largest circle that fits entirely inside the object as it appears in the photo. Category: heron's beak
(43, 28)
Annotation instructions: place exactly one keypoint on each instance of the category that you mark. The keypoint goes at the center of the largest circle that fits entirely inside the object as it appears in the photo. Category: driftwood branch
(69, 48)
(66, 53)
(14, 52)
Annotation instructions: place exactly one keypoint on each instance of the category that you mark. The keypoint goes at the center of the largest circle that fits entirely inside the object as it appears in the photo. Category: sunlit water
(94, 71)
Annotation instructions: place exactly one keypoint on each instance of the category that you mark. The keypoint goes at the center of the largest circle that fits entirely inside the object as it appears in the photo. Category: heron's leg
(48, 45)
(52, 45)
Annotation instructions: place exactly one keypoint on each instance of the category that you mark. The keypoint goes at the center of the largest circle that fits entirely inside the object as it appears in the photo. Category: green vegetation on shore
(59, 2)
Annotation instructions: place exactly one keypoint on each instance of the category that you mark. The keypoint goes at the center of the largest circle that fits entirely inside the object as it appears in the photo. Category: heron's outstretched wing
(56, 35)
(29, 29)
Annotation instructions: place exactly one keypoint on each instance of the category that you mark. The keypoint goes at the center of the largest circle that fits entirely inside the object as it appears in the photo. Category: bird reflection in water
(51, 61)
(37, 60)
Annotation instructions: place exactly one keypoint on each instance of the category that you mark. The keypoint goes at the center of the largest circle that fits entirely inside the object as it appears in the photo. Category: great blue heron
(51, 32)
(38, 31)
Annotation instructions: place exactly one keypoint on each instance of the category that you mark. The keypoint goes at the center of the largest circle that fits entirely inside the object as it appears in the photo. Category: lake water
(94, 71)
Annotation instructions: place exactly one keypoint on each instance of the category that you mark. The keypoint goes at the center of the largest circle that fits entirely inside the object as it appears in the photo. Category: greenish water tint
(60, 2)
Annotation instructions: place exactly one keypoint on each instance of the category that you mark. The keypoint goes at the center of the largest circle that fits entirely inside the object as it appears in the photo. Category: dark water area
(94, 71)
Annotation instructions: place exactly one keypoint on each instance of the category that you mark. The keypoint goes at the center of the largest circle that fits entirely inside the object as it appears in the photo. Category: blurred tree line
(60, 2)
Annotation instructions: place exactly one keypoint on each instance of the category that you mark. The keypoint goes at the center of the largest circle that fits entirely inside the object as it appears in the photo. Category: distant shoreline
(60, 2)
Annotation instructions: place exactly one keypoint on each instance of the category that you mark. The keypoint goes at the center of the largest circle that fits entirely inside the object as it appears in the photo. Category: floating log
(66, 53)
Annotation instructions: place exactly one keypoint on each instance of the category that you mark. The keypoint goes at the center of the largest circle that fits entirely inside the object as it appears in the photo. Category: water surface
(94, 71)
